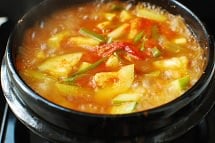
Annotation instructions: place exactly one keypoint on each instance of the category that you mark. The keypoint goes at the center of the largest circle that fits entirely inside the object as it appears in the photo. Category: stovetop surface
(13, 131)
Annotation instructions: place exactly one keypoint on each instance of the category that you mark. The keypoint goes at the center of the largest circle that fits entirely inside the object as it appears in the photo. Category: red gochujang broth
(110, 57)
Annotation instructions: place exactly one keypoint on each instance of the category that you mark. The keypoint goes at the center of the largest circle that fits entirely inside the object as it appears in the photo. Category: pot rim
(181, 101)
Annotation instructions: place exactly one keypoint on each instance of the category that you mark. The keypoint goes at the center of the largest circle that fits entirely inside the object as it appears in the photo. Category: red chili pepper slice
(108, 49)
(136, 52)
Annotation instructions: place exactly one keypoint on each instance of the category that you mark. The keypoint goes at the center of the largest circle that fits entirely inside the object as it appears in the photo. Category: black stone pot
(59, 124)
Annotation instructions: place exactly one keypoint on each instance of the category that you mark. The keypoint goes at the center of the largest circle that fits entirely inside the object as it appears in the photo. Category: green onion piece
(91, 34)
(138, 37)
(156, 52)
(83, 72)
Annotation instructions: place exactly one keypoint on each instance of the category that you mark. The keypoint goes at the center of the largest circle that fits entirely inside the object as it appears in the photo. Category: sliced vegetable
(92, 34)
(177, 86)
(137, 53)
(110, 48)
(60, 66)
(71, 90)
(150, 14)
(109, 40)
(112, 61)
(104, 25)
(68, 89)
(184, 82)
(126, 97)
(105, 79)
(84, 65)
(33, 74)
(124, 16)
(119, 31)
(181, 40)
(80, 73)
(55, 40)
(155, 52)
(134, 28)
(125, 78)
(127, 107)
(138, 37)
(110, 16)
(172, 63)
(84, 42)
(172, 47)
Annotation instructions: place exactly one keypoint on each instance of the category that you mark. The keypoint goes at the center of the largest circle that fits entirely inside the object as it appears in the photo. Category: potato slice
(60, 66)
(173, 68)
(172, 63)
(84, 42)
(119, 31)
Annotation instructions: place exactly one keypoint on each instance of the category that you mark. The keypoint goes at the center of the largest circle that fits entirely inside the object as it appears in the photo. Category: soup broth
(110, 57)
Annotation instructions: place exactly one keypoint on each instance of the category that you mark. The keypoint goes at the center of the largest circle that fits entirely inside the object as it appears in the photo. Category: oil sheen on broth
(110, 57)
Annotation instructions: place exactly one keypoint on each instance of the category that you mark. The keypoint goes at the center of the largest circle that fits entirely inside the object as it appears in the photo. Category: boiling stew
(110, 57)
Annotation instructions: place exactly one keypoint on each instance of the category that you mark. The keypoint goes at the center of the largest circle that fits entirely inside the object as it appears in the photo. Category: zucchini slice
(60, 66)
(127, 107)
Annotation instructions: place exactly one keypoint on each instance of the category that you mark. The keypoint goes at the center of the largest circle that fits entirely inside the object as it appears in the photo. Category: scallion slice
(82, 72)
(92, 34)
(138, 37)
